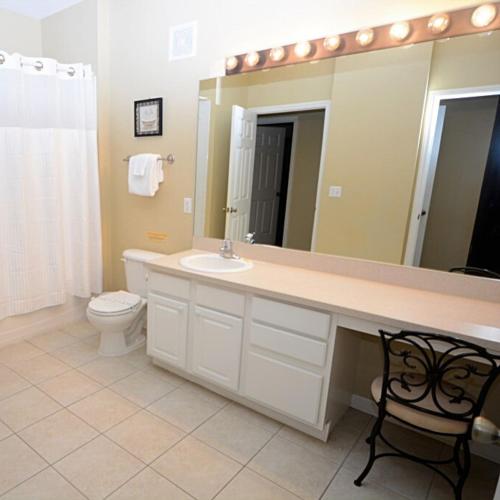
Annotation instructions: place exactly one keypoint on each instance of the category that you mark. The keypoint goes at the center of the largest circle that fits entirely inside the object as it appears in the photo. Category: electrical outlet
(188, 205)
(335, 191)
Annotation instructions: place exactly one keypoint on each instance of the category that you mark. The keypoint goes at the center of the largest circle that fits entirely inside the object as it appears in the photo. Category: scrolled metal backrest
(423, 368)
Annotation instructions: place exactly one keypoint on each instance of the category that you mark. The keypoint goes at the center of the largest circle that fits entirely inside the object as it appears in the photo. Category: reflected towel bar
(170, 159)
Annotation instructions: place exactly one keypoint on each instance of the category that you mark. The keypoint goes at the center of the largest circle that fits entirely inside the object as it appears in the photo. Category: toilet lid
(114, 302)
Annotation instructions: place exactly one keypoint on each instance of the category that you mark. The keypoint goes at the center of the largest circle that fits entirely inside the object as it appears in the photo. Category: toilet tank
(135, 269)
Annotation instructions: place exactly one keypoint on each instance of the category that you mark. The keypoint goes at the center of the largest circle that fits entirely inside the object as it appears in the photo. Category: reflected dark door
(484, 250)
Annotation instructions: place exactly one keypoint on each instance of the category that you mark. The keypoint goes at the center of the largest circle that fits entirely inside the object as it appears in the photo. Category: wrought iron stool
(423, 387)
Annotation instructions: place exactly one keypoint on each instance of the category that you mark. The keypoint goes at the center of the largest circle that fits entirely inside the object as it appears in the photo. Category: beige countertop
(401, 307)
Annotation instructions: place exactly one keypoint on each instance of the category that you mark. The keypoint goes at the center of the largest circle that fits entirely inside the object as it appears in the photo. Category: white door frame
(274, 120)
(202, 151)
(295, 108)
(425, 175)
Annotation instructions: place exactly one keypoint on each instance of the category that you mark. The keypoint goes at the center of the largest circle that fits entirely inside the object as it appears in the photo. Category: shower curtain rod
(38, 65)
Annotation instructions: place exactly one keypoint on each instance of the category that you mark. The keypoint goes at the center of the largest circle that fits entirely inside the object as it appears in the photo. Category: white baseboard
(490, 452)
(17, 328)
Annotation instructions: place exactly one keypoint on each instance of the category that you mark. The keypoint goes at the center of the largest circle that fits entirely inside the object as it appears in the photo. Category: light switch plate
(335, 191)
(188, 205)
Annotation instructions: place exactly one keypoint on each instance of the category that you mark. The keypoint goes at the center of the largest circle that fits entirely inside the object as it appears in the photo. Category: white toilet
(120, 316)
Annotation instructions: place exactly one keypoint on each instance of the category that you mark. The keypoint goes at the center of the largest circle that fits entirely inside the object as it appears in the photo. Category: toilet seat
(114, 303)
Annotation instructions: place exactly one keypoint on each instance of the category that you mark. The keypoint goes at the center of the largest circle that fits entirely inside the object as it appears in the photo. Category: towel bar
(170, 159)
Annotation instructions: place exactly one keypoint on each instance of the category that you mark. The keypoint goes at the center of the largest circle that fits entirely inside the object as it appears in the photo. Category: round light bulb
(439, 23)
(231, 63)
(483, 16)
(400, 31)
(365, 37)
(302, 49)
(252, 59)
(332, 43)
(277, 54)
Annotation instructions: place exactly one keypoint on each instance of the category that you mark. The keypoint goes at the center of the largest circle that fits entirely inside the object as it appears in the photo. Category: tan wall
(377, 105)
(462, 160)
(20, 34)
(306, 163)
(71, 34)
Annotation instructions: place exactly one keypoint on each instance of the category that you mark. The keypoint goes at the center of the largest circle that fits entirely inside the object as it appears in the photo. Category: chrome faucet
(250, 238)
(226, 250)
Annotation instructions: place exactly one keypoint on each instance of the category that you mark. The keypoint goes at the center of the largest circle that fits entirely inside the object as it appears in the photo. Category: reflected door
(267, 176)
(241, 163)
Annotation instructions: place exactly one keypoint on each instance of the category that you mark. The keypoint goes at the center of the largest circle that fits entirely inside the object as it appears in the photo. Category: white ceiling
(37, 9)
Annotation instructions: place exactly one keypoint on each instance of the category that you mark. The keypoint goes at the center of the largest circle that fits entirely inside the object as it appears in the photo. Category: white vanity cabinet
(273, 356)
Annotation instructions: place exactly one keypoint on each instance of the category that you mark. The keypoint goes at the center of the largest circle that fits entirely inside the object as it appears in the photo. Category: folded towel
(144, 174)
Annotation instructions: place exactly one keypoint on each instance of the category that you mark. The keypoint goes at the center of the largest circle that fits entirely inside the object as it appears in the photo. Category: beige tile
(342, 439)
(70, 387)
(142, 388)
(103, 409)
(149, 485)
(26, 408)
(52, 341)
(76, 354)
(80, 329)
(233, 436)
(481, 482)
(342, 488)
(398, 475)
(18, 462)
(98, 468)
(184, 409)
(58, 435)
(145, 436)
(139, 358)
(92, 340)
(4, 431)
(107, 370)
(294, 468)
(18, 352)
(46, 485)
(11, 382)
(248, 485)
(252, 417)
(165, 375)
(205, 395)
(196, 468)
(39, 368)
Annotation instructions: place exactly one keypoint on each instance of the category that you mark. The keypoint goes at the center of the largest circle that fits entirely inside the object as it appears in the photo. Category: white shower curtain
(50, 230)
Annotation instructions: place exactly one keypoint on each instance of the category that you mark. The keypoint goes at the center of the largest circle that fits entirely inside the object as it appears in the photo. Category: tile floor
(74, 425)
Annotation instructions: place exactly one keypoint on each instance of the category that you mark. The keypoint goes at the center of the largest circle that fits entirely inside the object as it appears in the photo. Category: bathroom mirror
(389, 155)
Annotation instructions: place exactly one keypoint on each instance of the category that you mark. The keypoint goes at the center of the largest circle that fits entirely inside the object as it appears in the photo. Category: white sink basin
(213, 263)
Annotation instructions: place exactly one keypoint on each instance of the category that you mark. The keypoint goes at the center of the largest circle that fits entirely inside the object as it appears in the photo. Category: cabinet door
(217, 347)
(167, 329)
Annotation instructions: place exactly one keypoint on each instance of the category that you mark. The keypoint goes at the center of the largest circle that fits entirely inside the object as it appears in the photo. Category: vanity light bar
(482, 18)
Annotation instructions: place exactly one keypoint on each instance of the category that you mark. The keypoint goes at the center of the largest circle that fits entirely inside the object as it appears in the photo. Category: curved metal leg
(463, 470)
(371, 440)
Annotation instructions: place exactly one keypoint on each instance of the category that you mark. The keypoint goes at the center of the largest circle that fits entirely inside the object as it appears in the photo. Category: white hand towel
(144, 174)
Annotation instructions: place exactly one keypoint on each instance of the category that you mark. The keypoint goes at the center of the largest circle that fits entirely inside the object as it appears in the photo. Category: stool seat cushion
(413, 415)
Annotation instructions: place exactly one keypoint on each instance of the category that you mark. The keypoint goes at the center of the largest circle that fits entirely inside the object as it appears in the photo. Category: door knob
(233, 210)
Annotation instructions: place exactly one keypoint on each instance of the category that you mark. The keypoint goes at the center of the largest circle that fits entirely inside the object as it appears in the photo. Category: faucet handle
(250, 238)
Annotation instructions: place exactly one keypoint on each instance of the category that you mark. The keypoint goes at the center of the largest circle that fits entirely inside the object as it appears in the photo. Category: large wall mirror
(392, 155)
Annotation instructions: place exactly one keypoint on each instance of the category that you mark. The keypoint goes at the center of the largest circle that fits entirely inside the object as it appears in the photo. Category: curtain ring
(38, 65)
(71, 71)
(2, 58)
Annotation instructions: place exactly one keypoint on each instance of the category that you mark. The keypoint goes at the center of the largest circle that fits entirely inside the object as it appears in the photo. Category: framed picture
(149, 117)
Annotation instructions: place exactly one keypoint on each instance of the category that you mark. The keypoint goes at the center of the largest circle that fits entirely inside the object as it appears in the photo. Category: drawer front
(220, 299)
(283, 387)
(289, 344)
(169, 285)
(299, 319)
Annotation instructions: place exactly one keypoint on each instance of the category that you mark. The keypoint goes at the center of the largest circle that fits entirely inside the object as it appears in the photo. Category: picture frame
(148, 117)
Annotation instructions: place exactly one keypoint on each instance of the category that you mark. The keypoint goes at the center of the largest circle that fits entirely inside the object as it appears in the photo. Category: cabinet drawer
(287, 343)
(283, 387)
(220, 299)
(169, 285)
(299, 319)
